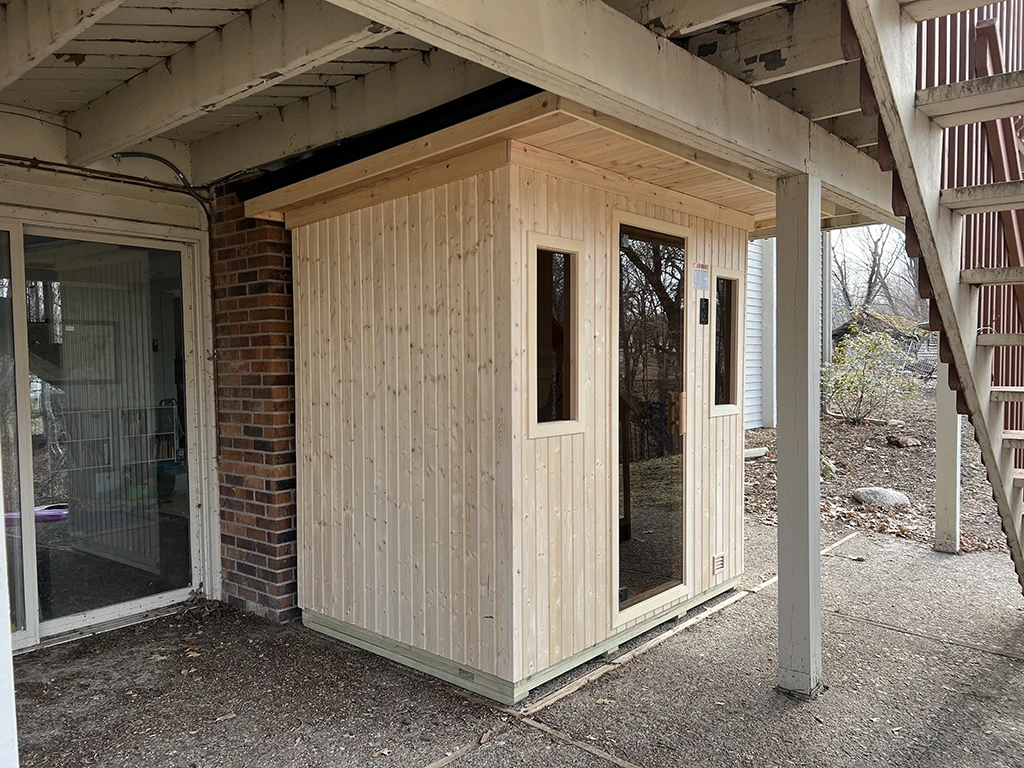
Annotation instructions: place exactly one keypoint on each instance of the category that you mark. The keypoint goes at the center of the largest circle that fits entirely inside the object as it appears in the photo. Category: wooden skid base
(483, 683)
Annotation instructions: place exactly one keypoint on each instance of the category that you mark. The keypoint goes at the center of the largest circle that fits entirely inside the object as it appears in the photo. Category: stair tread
(992, 275)
(1008, 394)
(1013, 435)
(1018, 478)
(1001, 339)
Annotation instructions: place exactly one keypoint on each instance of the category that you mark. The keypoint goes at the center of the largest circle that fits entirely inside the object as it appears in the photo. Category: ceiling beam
(831, 92)
(777, 45)
(275, 41)
(639, 79)
(678, 18)
(31, 30)
(974, 101)
(407, 88)
(859, 130)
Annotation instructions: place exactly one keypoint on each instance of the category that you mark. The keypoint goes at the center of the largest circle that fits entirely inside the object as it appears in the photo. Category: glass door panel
(13, 528)
(652, 271)
(107, 401)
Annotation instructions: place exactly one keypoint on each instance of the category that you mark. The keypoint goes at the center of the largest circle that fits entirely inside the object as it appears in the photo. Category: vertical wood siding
(426, 514)
(947, 55)
(753, 378)
(403, 420)
(565, 514)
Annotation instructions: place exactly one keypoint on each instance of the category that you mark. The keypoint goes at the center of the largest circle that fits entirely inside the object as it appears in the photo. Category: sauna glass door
(652, 413)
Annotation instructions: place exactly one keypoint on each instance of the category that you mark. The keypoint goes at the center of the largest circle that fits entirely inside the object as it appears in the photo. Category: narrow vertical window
(553, 291)
(554, 339)
(726, 367)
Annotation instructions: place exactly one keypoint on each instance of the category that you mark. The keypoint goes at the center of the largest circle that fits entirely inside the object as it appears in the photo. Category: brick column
(255, 344)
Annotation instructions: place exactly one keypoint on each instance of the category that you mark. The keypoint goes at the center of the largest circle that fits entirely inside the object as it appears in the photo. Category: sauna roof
(542, 126)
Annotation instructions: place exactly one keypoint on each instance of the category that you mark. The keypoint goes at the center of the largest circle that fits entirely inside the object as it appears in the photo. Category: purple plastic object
(51, 513)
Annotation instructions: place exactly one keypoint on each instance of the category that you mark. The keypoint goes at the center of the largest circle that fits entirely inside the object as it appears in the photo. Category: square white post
(947, 466)
(798, 327)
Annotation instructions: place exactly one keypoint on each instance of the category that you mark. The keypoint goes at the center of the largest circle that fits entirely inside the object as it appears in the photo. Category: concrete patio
(924, 658)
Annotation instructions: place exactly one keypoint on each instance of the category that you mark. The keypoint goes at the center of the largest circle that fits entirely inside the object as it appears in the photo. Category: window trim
(536, 241)
(736, 406)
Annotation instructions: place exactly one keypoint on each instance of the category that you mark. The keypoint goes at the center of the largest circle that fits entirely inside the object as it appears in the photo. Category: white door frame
(193, 247)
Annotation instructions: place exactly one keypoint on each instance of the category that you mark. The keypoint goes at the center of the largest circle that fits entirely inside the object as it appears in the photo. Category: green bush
(865, 376)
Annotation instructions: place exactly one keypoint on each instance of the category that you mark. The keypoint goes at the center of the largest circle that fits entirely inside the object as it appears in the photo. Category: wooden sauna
(519, 365)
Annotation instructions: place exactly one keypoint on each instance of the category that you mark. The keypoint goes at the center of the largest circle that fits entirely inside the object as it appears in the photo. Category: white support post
(8, 719)
(947, 466)
(798, 215)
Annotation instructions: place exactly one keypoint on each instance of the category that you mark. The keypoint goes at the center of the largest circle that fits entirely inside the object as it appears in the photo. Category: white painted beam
(677, 18)
(31, 30)
(974, 101)
(828, 93)
(590, 53)
(1003, 196)
(384, 96)
(798, 323)
(947, 466)
(922, 10)
(275, 41)
(777, 45)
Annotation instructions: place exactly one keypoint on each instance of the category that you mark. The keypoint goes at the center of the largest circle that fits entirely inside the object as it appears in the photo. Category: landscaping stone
(902, 441)
(881, 497)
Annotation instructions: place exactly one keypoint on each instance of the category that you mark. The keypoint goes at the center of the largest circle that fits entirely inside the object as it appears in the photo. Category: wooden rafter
(31, 30)
(257, 50)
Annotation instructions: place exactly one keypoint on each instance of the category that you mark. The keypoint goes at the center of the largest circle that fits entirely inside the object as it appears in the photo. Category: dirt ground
(862, 456)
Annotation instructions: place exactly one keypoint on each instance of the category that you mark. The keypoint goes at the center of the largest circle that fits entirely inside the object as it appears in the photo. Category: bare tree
(871, 271)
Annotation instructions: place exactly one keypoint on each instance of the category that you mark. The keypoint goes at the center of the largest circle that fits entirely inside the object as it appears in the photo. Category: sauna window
(726, 321)
(555, 401)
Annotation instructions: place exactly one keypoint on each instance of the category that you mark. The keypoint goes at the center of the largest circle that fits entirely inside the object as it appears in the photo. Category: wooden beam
(777, 45)
(974, 101)
(1002, 196)
(639, 79)
(259, 49)
(678, 18)
(859, 130)
(828, 93)
(922, 10)
(1008, 394)
(31, 30)
(993, 276)
(799, 434)
(407, 88)
(947, 466)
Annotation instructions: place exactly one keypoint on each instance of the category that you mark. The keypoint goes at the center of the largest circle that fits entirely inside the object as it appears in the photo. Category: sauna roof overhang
(556, 130)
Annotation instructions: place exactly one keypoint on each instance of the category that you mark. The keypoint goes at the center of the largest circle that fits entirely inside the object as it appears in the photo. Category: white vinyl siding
(753, 367)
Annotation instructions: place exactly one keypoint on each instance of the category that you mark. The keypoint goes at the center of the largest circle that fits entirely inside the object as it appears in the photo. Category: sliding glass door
(93, 348)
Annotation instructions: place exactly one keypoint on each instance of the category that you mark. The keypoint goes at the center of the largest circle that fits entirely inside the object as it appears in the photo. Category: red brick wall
(254, 343)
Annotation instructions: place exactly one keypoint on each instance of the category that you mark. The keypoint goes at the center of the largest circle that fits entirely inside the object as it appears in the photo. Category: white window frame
(574, 249)
(736, 406)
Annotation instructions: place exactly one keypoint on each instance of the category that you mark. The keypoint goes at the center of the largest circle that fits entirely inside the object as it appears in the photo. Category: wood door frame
(621, 618)
(197, 313)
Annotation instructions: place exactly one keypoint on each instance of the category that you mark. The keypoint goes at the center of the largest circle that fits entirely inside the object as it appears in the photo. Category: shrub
(865, 376)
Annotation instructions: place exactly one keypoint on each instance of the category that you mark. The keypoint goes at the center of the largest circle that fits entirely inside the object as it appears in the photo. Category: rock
(902, 441)
(896, 423)
(881, 497)
(755, 453)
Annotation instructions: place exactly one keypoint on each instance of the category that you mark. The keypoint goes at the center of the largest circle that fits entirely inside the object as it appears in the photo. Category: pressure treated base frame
(483, 683)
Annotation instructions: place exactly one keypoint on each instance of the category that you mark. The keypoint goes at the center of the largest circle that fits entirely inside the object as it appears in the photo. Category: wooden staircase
(976, 295)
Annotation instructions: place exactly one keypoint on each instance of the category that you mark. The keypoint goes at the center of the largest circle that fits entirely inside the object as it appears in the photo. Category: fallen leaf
(227, 716)
(382, 752)
(605, 701)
